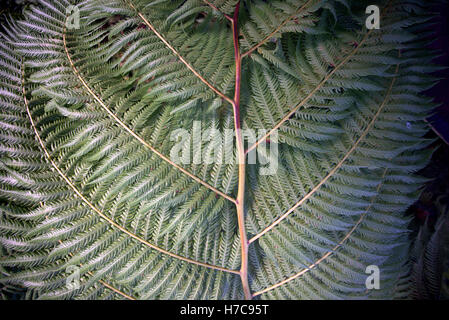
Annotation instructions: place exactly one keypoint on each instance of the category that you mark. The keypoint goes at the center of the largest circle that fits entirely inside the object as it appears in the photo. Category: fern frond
(88, 118)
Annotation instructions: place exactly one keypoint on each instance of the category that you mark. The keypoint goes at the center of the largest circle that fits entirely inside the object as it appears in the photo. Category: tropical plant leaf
(429, 257)
(91, 116)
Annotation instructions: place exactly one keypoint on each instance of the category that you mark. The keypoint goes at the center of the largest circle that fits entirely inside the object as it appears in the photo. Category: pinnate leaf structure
(86, 133)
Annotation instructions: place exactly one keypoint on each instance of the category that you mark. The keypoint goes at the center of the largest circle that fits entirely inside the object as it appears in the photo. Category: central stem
(241, 158)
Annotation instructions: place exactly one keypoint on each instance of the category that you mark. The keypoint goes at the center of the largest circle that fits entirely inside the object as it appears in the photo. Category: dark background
(438, 169)
(441, 91)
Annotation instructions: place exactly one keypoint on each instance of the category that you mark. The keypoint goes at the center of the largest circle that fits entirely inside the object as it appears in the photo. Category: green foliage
(86, 119)
(430, 258)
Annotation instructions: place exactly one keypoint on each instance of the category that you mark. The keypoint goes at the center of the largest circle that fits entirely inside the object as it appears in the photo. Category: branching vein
(94, 208)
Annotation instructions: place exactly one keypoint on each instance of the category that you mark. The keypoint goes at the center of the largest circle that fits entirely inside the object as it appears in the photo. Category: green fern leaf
(92, 118)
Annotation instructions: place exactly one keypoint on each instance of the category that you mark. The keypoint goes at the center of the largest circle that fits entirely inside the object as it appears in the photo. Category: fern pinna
(88, 113)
